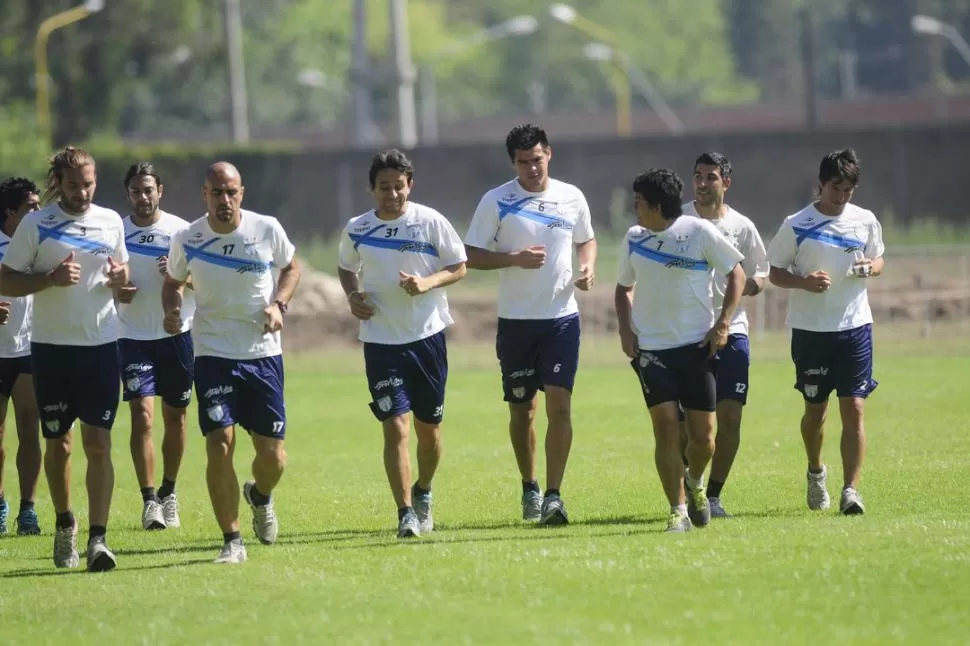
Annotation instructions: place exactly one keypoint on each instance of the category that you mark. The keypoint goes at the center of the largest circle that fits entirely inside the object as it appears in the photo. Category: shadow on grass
(23, 574)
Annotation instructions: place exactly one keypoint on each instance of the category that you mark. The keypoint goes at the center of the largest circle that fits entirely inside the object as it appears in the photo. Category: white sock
(695, 484)
(681, 510)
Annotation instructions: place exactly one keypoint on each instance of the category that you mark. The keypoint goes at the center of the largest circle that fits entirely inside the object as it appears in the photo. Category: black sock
(96, 531)
(816, 471)
(65, 519)
(418, 491)
(402, 511)
(714, 488)
(26, 505)
(167, 488)
(1, 499)
(229, 537)
(530, 485)
(257, 498)
(148, 493)
(551, 492)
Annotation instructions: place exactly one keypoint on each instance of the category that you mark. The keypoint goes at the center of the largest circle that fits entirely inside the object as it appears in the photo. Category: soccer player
(232, 256)
(394, 262)
(153, 362)
(71, 255)
(826, 254)
(18, 197)
(527, 229)
(672, 332)
(712, 179)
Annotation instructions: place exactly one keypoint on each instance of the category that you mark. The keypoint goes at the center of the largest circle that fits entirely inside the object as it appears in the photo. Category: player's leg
(4, 506)
(139, 380)
(693, 371)
(516, 345)
(557, 365)
(732, 394)
(425, 384)
(175, 372)
(659, 391)
(97, 408)
(29, 456)
(810, 354)
(853, 381)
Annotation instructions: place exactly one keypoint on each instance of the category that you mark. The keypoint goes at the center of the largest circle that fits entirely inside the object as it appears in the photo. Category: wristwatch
(282, 306)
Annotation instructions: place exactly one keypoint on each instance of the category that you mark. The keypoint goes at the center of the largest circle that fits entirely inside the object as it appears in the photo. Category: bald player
(244, 271)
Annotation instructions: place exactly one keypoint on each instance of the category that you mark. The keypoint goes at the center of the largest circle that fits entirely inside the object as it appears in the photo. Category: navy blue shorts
(733, 364)
(684, 374)
(408, 377)
(10, 371)
(827, 361)
(75, 382)
(161, 367)
(535, 353)
(247, 392)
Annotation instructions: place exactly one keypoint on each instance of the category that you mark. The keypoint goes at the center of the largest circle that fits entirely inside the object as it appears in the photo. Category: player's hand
(67, 273)
(162, 265)
(414, 285)
(586, 278)
(4, 312)
(173, 321)
(274, 319)
(359, 306)
(628, 341)
(126, 293)
(531, 257)
(116, 272)
(716, 338)
(862, 268)
(817, 282)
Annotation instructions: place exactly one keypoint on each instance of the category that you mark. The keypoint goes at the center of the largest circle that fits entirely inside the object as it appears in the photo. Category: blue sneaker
(27, 524)
(4, 512)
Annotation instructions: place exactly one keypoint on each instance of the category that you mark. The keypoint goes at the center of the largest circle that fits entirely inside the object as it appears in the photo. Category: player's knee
(59, 447)
(558, 405)
(272, 455)
(852, 411)
(218, 445)
(729, 419)
(97, 445)
(815, 413)
(523, 414)
(396, 429)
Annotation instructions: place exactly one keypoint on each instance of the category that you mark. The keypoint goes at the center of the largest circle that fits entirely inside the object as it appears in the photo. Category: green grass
(777, 574)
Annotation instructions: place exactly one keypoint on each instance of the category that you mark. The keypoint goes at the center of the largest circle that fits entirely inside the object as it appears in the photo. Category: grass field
(776, 574)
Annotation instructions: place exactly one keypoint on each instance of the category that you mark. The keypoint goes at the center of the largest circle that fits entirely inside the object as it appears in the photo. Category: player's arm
(781, 255)
(736, 286)
(288, 280)
(360, 307)
(449, 275)
(623, 300)
(586, 254)
(22, 283)
(531, 257)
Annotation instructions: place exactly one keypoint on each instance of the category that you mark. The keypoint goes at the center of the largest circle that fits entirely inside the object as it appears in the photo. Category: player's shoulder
(103, 212)
(425, 213)
(635, 233)
(565, 190)
(360, 223)
(806, 215)
(859, 213)
(688, 224)
(173, 222)
(507, 191)
(740, 220)
(687, 208)
(254, 223)
(48, 214)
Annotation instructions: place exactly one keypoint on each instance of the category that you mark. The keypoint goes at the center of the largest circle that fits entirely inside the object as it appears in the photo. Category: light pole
(621, 87)
(934, 27)
(407, 120)
(48, 26)
(518, 26)
(238, 99)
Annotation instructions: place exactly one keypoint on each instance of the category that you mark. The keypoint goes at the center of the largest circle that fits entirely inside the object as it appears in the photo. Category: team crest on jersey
(414, 231)
(216, 413)
(681, 243)
(384, 403)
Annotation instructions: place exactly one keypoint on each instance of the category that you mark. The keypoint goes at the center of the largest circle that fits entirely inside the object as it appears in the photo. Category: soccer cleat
(232, 553)
(100, 558)
(531, 506)
(170, 511)
(4, 512)
(553, 511)
(27, 523)
(678, 522)
(265, 525)
(698, 508)
(65, 547)
(851, 503)
(422, 509)
(151, 515)
(818, 495)
(409, 526)
(717, 510)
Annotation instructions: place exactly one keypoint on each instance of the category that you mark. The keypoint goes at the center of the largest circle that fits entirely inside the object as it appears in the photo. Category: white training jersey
(234, 280)
(142, 319)
(420, 242)
(82, 314)
(673, 274)
(15, 335)
(510, 218)
(743, 235)
(810, 241)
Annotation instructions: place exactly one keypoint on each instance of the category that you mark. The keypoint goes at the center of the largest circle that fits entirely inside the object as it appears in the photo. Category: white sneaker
(265, 525)
(152, 516)
(170, 511)
(553, 511)
(65, 547)
(408, 526)
(422, 509)
(100, 558)
(232, 553)
(851, 503)
(531, 506)
(818, 495)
